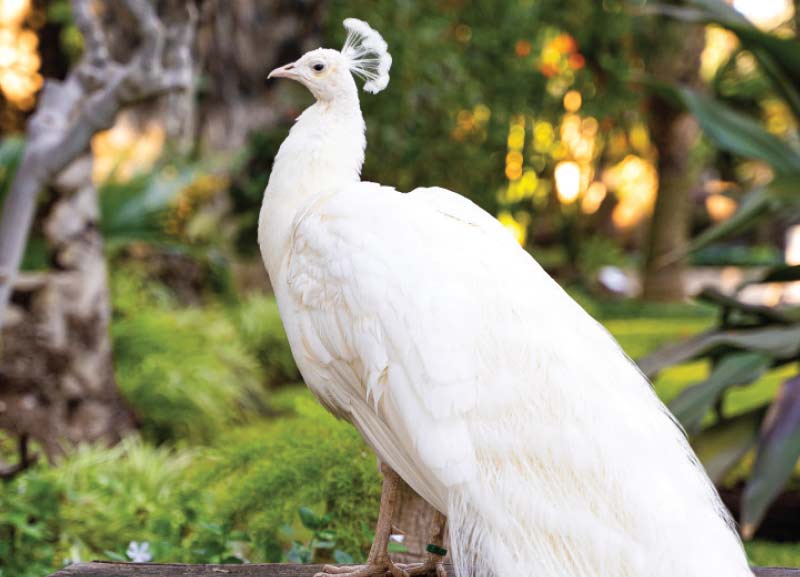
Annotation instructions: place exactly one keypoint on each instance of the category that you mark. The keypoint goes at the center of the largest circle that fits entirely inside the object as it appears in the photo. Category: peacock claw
(430, 567)
(377, 569)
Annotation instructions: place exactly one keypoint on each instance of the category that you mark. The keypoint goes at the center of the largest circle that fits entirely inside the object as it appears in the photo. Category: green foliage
(461, 58)
(599, 251)
(249, 497)
(28, 525)
(240, 498)
(747, 341)
(186, 373)
(262, 475)
(736, 131)
(322, 540)
(262, 333)
(737, 255)
(135, 210)
(96, 501)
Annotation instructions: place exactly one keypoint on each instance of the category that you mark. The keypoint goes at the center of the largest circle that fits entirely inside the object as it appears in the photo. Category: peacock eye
(319, 67)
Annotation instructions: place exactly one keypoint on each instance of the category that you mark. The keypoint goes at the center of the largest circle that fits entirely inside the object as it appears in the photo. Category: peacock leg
(378, 562)
(434, 565)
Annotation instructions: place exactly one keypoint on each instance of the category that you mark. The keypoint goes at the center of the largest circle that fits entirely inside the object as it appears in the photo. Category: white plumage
(419, 319)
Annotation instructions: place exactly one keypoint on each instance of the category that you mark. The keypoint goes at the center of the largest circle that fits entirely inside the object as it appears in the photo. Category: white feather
(367, 54)
(473, 375)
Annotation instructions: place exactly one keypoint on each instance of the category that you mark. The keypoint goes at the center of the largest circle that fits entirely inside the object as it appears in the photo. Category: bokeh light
(765, 13)
(126, 149)
(568, 181)
(19, 57)
(635, 182)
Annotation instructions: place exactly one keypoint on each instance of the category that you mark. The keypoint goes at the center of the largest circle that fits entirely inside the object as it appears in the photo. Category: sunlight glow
(720, 207)
(765, 13)
(793, 245)
(126, 149)
(594, 197)
(19, 56)
(568, 181)
(635, 182)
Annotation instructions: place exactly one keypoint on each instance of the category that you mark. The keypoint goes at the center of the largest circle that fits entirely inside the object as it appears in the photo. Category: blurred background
(645, 153)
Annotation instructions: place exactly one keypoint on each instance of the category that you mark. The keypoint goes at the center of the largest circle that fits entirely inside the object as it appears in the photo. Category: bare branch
(93, 36)
(152, 32)
(70, 113)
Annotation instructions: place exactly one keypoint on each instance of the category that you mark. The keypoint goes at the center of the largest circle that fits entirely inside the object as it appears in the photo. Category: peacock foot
(377, 568)
(430, 567)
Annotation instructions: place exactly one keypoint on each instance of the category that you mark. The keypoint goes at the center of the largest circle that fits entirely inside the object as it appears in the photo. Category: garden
(645, 154)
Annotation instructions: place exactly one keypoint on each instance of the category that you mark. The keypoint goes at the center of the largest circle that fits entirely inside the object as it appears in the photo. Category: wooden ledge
(105, 569)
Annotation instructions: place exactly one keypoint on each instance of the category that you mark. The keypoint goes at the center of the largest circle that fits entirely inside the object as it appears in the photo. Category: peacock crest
(367, 54)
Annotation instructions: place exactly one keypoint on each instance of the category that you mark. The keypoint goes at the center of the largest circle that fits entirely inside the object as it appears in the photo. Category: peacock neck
(324, 151)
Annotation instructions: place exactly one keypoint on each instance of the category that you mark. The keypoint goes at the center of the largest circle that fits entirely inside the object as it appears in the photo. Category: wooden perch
(103, 569)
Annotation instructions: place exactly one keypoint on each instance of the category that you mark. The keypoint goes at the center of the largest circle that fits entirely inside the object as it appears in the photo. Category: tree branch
(93, 36)
(72, 112)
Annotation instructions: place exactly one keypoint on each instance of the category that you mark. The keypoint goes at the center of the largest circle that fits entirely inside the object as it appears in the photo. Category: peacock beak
(287, 71)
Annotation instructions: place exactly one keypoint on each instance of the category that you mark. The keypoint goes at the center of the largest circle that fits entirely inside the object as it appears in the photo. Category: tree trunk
(676, 59)
(236, 55)
(57, 377)
(674, 133)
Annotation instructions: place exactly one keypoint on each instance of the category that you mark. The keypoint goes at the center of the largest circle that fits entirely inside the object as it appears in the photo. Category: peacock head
(328, 73)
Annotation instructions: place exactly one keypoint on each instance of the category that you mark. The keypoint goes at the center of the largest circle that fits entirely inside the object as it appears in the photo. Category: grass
(764, 554)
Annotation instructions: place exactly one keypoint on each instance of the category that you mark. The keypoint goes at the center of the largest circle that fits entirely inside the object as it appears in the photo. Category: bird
(477, 380)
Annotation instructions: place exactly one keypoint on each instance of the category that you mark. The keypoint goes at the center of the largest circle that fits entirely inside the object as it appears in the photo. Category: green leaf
(309, 518)
(326, 535)
(343, 558)
(755, 205)
(779, 196)
(717, 297)
(721, 446)
(740, 134)
(692, 404)
(777, 342)
(134, 210)
(782, 273)
(778, 57)
(778, 451)
(323, 544)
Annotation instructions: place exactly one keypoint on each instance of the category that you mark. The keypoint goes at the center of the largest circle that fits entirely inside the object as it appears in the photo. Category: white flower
(139, 552)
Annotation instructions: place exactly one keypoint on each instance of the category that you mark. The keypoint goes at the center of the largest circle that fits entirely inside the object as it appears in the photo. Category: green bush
(185, 372)
(91, 506)
(262, 333)
(237, 500)
(262, 475)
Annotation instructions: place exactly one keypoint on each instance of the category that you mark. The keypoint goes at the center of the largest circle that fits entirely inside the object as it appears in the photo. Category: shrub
(90, 506)
(261, 476)
(237, 500)
(262, 333)
(185, 372)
